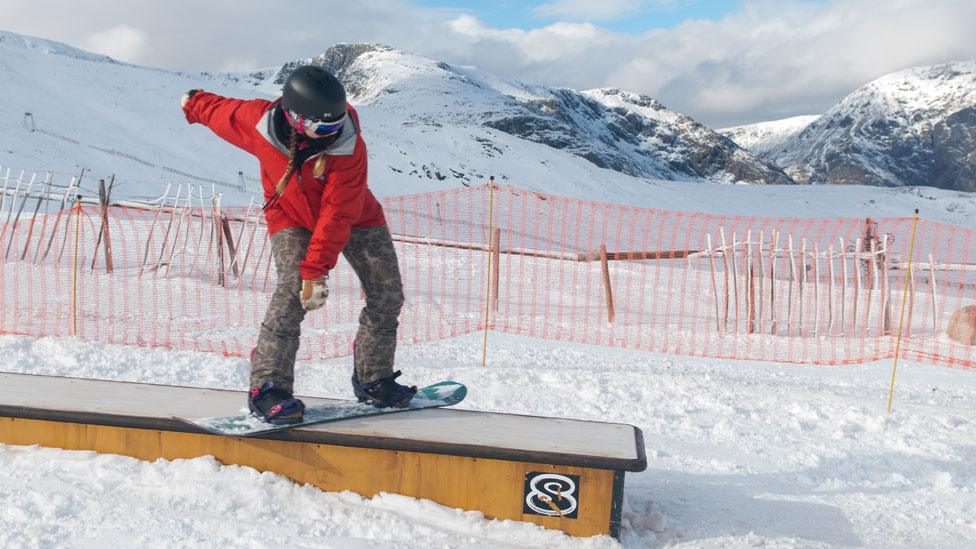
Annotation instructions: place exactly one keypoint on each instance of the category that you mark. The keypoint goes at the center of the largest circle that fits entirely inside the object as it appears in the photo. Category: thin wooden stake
(735, 283)
(830, 289)
(750, 294)
(605, 267)
(231, 248)
(711, 267)
(843, 287)
(169, 227)
(772, 283)
(13, 230)
(762, 281)
(37, 209)
(162, 205)
(725, 260)
(901, 322)
(789, 292)
(491, 219)
(935, 310)
(74, 292)
(103, 198)
(858, 248)
(816, 289)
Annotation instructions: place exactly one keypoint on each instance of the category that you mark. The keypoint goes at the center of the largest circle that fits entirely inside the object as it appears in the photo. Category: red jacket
(328, 206)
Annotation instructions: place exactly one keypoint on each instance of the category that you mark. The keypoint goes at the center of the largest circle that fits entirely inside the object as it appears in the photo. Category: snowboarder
(313, 170)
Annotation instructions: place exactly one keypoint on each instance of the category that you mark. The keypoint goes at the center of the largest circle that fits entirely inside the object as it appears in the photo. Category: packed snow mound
(914, 127)
(763, 138)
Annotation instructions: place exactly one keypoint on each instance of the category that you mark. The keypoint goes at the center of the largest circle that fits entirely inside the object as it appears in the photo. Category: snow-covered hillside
(424, 122)
(429, 126)
(609, 128)
(914, 127)
(763, 138)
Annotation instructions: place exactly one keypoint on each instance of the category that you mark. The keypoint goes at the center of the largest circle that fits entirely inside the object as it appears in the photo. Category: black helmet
(314, 93)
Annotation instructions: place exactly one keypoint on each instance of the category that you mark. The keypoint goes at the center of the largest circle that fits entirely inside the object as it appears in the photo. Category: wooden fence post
(229, 238)
(605, 266)
(751, 322)
(103, 198)
(218, 222)
(37, 209)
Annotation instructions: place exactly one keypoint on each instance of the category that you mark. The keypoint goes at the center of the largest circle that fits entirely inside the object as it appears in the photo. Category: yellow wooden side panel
(494, 487)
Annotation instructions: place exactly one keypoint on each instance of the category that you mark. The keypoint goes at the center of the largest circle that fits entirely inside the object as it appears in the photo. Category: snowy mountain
(914, 127)
(763, 138)
(429, 126)
(625, 132)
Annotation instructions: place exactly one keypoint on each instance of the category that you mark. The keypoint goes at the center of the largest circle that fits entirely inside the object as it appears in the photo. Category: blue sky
(650, 15)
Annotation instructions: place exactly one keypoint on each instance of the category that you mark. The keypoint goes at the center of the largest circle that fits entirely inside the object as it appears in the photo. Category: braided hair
(290, 167)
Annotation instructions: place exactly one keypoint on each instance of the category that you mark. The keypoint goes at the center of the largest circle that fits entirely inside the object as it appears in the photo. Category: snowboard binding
(275, 406)
(384, 392)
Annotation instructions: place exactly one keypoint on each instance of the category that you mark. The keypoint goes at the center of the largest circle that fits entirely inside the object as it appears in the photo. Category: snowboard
(444, 393)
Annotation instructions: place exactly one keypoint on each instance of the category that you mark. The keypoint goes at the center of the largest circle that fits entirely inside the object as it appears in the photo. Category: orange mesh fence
(190, 275)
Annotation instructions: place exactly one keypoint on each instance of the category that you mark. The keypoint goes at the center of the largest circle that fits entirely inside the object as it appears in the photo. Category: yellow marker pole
(901, 322)
(491, 232)
(74, 293)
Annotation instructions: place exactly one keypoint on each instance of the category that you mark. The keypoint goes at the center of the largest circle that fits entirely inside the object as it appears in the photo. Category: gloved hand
(314, 292)
(186, 97)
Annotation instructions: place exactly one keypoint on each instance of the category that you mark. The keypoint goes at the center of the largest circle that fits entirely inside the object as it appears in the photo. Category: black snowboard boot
(276, 406)
(384, 392)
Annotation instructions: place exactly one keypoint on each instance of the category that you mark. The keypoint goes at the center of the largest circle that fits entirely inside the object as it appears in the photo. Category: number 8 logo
(551, 495)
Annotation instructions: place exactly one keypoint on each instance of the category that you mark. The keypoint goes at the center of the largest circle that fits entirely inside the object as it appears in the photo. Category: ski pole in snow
(901, 322)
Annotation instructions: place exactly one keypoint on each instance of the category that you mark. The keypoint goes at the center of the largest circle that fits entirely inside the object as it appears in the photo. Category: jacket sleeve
(343, 198)
(233, 120)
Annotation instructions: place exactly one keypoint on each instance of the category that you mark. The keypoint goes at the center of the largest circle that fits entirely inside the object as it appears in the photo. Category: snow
(765, 137)
(122, 119)
(739, 453)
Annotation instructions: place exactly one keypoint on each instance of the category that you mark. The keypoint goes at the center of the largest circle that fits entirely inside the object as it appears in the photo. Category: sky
(723, 62)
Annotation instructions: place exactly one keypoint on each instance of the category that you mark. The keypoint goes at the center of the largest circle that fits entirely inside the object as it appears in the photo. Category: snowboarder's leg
(370, 253)
(274, 357)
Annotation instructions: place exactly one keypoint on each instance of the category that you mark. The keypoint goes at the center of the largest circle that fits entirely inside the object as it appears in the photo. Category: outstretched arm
(233, 120)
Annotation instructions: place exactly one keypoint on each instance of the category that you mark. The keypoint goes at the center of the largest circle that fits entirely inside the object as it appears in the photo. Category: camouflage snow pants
(370, 253)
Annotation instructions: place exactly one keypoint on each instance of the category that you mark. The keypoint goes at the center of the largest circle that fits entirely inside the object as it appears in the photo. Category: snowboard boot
(275, 406)
(384, 392)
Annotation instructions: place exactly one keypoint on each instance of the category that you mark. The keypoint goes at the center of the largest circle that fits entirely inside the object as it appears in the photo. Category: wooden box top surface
(442, 431)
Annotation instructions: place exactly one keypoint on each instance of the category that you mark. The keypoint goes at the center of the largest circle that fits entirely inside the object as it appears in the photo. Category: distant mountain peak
(615, 129)
(764, 138)
(912, 127)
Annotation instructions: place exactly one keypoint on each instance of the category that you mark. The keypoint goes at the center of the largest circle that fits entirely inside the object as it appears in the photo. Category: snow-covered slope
(763, 138)
(914, 127)
(739, 455)
(427, 124)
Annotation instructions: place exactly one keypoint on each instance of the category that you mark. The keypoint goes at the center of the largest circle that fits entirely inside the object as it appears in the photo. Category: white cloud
(588, 10)
(122, 42)
(767, 59)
